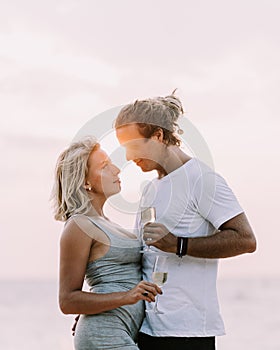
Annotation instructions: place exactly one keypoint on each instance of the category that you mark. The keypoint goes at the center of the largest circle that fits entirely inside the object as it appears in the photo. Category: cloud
(151, 33)
(28, 50)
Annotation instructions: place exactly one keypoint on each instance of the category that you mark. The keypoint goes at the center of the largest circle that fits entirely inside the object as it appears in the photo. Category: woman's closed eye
(106, 163)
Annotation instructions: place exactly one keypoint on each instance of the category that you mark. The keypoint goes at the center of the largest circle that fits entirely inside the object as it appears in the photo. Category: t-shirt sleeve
(215, 200)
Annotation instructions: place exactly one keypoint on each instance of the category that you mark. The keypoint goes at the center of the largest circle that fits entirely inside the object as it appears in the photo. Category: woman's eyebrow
(107, 160)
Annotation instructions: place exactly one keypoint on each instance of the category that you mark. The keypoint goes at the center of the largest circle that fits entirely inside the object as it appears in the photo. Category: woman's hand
(144, 290)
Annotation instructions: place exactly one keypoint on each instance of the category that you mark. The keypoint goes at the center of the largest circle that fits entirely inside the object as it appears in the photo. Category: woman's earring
(88, 187)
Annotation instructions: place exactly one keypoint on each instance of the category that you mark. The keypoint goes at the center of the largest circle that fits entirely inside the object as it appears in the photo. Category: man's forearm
(223, 244)
(234, 237)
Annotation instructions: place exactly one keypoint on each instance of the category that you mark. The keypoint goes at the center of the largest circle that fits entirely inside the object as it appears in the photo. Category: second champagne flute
(159, 276)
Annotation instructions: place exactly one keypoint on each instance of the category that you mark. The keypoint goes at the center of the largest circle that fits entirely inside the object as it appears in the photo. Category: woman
(92, 246)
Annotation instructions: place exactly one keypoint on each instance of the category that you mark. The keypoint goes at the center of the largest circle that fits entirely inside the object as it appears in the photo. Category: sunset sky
(62, 63)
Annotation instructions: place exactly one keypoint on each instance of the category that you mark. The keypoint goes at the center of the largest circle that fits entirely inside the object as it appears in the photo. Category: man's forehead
(129, 133)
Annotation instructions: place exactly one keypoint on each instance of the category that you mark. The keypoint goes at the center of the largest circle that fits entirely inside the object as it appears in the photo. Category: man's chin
(145, 169)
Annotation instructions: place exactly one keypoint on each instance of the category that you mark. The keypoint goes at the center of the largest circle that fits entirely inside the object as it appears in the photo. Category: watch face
(182, 246)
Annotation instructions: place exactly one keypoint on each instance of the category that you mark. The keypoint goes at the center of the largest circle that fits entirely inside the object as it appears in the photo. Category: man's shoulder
(196, 169)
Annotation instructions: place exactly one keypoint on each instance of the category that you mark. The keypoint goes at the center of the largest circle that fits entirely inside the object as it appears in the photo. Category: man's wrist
(182, 246)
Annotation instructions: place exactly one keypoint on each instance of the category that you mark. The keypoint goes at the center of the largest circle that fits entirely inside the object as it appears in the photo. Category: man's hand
(160, 237)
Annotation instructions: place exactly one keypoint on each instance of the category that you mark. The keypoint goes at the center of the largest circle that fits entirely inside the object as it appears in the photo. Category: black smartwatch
(182, 246)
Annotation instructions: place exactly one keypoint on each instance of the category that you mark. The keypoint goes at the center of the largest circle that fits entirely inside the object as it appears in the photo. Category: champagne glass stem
(147, 248)
(156, 310)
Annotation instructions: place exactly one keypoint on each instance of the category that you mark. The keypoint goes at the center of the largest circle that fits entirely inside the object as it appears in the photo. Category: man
(199, 220)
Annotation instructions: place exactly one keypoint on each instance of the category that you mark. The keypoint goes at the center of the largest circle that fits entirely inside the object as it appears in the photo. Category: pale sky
(64, 62)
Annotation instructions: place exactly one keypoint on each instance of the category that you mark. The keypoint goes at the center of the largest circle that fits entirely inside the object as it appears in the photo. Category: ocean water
(30, 318)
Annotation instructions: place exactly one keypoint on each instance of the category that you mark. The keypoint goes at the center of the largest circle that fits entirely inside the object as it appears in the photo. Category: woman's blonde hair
(152, 114)
(69, 195)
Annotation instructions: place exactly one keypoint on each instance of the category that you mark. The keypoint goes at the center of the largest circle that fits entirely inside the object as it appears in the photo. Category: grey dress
(118, 270)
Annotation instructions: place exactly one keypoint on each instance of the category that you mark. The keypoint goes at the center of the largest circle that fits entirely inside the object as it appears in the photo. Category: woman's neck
(97, 206)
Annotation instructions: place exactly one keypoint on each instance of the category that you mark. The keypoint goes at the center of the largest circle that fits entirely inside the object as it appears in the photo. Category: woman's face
(102, 174)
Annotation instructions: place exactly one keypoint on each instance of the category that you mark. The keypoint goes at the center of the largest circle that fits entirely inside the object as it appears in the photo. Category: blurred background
(64, 62)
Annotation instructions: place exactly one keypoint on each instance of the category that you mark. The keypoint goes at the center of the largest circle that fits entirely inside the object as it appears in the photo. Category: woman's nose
(115, 170)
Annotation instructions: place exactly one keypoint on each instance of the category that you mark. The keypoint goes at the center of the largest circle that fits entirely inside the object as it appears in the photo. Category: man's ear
(158, 135)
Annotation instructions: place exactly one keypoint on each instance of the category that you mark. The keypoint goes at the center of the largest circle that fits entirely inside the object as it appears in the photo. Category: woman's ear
(87, 186)
(158, 135)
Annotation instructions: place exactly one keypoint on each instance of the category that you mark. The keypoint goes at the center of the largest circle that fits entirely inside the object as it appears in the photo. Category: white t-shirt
(191, 201)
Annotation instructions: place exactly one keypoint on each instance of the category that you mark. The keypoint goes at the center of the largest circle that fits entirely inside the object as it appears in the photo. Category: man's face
(144, 152)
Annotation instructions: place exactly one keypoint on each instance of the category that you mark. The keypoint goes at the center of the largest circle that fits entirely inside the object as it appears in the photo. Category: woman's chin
(113, 193)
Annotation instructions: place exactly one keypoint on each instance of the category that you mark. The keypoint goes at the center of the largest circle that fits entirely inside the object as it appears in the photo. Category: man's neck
(174, 159)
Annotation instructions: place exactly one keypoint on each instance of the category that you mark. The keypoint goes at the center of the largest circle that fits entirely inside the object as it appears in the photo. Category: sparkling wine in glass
(148, 215)
(159, 276)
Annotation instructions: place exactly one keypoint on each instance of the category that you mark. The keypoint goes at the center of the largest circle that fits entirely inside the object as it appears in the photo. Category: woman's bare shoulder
(81, 225)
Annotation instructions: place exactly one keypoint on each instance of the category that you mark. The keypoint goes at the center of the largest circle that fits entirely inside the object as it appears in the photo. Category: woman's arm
(75, 249)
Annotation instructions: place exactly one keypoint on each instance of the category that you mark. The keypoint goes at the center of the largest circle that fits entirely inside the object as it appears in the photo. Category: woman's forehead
(98, 156)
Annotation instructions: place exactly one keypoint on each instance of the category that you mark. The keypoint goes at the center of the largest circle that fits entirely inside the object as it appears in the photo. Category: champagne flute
(148, 214)
(159, 276)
